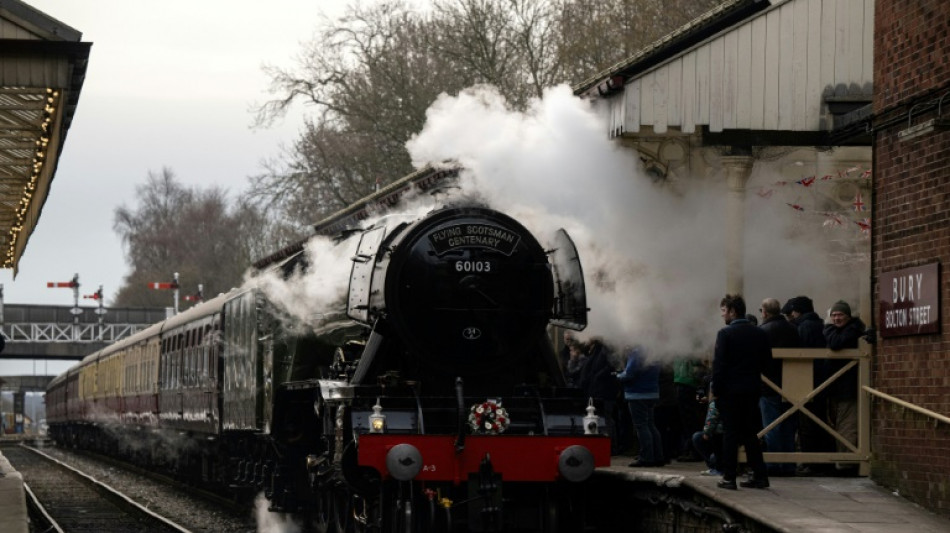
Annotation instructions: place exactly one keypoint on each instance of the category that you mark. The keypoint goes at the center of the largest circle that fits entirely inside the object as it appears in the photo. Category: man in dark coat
(782, 334)
(843, 333)
(741, 355)
(801, 313)
(813, 439)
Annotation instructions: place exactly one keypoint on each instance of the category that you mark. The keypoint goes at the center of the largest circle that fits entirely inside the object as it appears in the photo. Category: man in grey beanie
(843, 333)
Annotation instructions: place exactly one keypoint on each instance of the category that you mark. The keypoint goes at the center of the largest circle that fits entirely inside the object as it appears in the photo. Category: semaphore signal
(168, 285)
(196, 297)
(94, 296)
(99, 298)
(74, 285)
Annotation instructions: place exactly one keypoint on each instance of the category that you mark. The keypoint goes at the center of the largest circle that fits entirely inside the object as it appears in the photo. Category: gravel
(184, 509)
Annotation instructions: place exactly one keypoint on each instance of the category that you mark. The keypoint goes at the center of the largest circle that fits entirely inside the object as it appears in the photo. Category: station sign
(910, 301)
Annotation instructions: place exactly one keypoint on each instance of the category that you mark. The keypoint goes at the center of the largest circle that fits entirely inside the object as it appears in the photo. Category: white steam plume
(268, 522)
(653, 260)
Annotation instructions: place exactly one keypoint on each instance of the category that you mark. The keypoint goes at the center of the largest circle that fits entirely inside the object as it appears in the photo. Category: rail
(80, 333)
(907, 405)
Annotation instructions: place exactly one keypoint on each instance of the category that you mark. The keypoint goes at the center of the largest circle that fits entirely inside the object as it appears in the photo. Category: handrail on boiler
(908, 405)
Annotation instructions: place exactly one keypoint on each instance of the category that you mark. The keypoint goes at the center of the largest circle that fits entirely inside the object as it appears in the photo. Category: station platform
(789, 505)
(13, 512)
(800, 504)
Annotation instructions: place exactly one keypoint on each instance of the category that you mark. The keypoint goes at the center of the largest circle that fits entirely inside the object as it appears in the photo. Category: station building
(911, 249)
(835, 112)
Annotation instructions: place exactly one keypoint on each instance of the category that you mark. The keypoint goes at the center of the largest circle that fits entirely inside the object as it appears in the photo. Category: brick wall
(911, 227)
(911, 48)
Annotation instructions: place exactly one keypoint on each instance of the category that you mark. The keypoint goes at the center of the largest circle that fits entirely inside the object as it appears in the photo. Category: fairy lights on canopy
(38, 161)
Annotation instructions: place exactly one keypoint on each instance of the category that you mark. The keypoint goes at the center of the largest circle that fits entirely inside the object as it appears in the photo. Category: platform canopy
(42, 68)
(749, 72)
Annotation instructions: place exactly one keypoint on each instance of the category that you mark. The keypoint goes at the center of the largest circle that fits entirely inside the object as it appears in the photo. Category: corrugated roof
(42, 70)
(713, 21)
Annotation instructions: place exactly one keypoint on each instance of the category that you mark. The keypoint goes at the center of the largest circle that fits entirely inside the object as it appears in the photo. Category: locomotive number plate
(473, 266)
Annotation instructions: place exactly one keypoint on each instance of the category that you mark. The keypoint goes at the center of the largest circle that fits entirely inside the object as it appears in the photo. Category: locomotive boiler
(430, 400)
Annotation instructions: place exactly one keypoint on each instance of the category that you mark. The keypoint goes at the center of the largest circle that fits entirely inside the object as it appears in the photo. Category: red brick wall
(911, 227)
(911, 48)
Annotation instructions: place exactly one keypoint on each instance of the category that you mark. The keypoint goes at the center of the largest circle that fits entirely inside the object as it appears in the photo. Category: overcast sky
(169, 84)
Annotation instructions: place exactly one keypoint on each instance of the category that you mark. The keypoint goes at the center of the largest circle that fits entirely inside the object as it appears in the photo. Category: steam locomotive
(430, 400)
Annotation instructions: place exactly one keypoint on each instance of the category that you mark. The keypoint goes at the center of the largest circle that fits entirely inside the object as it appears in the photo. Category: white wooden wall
(767, 73)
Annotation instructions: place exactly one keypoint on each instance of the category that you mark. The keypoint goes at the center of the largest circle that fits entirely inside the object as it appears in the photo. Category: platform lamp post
(76, 311)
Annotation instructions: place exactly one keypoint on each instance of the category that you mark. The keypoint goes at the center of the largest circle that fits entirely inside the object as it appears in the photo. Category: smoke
(317, 294)
(653, 253)
(268, 522)
(653, 258)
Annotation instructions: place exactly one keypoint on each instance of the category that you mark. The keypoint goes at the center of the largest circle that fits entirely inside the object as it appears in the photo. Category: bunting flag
(810, 180)
(832, 220)
(858, 203)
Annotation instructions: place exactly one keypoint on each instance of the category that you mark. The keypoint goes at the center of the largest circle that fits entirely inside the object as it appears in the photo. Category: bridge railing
(52, 332)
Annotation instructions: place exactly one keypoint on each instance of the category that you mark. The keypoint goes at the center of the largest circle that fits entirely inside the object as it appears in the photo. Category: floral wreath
(488, 417)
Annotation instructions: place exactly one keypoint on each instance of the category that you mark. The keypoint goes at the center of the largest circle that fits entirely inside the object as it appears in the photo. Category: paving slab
(801, 504)
(13, 514)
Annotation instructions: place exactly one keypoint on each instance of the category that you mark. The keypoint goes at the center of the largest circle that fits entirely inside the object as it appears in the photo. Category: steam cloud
(653, 269)
(653, 256)
(268, 522)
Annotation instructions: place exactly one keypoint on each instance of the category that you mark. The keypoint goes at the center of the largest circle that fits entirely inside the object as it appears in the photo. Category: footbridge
(46, 332)
(58, 333)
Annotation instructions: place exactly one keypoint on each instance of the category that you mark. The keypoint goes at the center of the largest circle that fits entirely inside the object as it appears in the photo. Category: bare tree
(371, 78)
(597, 34)
(178, 229)
(372, 75)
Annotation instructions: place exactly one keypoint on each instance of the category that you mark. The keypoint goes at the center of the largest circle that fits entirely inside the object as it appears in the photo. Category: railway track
(71, 501)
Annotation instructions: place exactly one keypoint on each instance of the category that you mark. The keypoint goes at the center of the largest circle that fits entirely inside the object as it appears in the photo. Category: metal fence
(52, 333)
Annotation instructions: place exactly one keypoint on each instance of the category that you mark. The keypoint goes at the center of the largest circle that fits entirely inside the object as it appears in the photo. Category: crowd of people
(696, 408)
